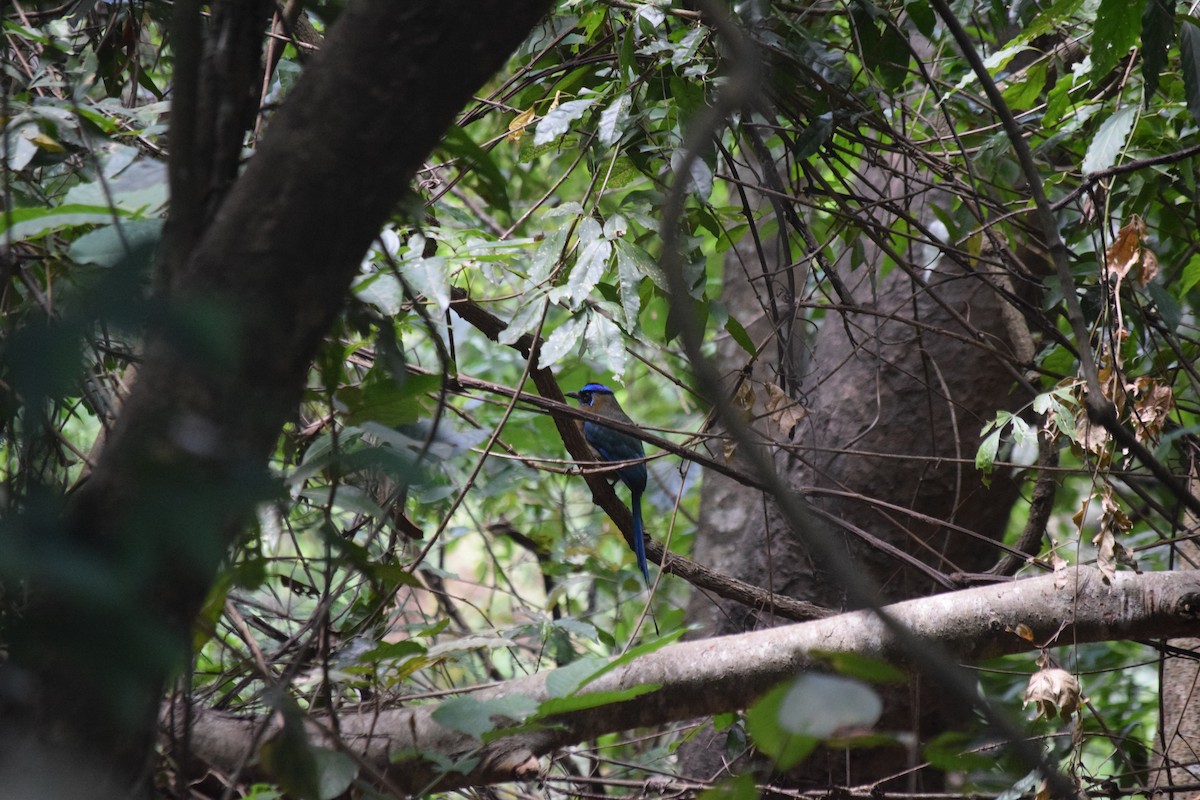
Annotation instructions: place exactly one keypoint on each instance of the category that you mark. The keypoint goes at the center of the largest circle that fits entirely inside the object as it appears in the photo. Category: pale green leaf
(558, 121)
(1110, 140)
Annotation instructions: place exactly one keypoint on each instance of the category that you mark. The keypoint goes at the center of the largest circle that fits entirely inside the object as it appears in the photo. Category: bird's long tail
(639, 536)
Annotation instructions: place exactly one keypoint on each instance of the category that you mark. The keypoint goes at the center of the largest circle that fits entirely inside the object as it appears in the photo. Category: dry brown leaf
(1125, 252)
(1053, 692)
(516, 128)
(785, 411)
(1024, 631)
(1129, 254)
(1152, 408)
(1060, 565)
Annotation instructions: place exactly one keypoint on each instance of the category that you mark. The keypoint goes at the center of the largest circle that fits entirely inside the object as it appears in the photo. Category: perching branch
(712, 676)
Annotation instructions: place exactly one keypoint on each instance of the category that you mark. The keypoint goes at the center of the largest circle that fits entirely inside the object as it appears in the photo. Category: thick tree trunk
(896, 389)
(1179, 725)
(246, 309)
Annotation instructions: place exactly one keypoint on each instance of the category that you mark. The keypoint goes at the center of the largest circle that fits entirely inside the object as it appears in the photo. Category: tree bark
(241, 316)
(897, 384)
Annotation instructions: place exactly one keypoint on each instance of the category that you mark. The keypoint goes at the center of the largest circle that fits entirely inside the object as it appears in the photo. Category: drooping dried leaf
(785, 411)
(1060, 565)
(1113, 521)
(1126, 250)
(1151, 409)
(1149, 267)
(1024, 631)
(1053, 692)
(1105, 557)
(516, 128)
(1129, 254)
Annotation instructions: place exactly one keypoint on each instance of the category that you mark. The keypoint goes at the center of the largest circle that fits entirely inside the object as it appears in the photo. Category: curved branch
(718, 675)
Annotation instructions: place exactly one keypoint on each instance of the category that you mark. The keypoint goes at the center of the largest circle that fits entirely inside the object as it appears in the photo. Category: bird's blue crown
(596, 388)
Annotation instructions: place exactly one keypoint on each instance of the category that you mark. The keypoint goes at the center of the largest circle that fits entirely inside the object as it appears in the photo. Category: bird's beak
(574, 395)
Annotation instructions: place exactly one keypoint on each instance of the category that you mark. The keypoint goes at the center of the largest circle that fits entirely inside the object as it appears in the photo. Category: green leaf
(741, 787)
(558, 121)
(951, 752)
(922, 16)
(567, 679)
(985, 458)
(579, 702)
(859, 666)
(605, 342)
(477, 717)
(594, 251)
(883, 48)
(131, 243)
(739, 335)
(1022, 94)
(393, 651)
(1110, 140)
(32, 223)
(785, 748)
(823, 706)
(335, 772)
(1115, 31)
(288, 757)
(561, 341)
(491, 183)
(1158, 32)
(612, 120)
(380, 399)
(812, 137)
(1190, 276)
(1189, 54)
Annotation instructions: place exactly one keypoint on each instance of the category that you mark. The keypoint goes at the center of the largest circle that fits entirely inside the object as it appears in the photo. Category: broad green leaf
(1110, 140)
(763, 723)
(1115, 31)
(1189, 54)
(612, 120)
(133, 242)
(1190, 276)
(955, 751)
(524, 321)
(822, 706)
(491, 184)
(335, 772)
(740, 788)
(813, 137)
(32, 223)
(140, 188)
(288, 757)
(594, 251)
(477, 717)
(381, 290)
(579, 702)
(567, 679)
(561, 341)
(1026, 87)
(389, 651)
(859, 666)
(428, 276)
(1158, 32)
(985, 457)
(558, 121)
(606, 342)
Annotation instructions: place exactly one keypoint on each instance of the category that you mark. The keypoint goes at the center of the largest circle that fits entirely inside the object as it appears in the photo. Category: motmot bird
(613, 445)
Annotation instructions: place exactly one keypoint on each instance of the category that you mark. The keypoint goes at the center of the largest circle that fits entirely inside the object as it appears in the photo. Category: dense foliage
(427, 532)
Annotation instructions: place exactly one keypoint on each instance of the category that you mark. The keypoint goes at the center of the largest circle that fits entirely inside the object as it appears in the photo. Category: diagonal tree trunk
(187, 459)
